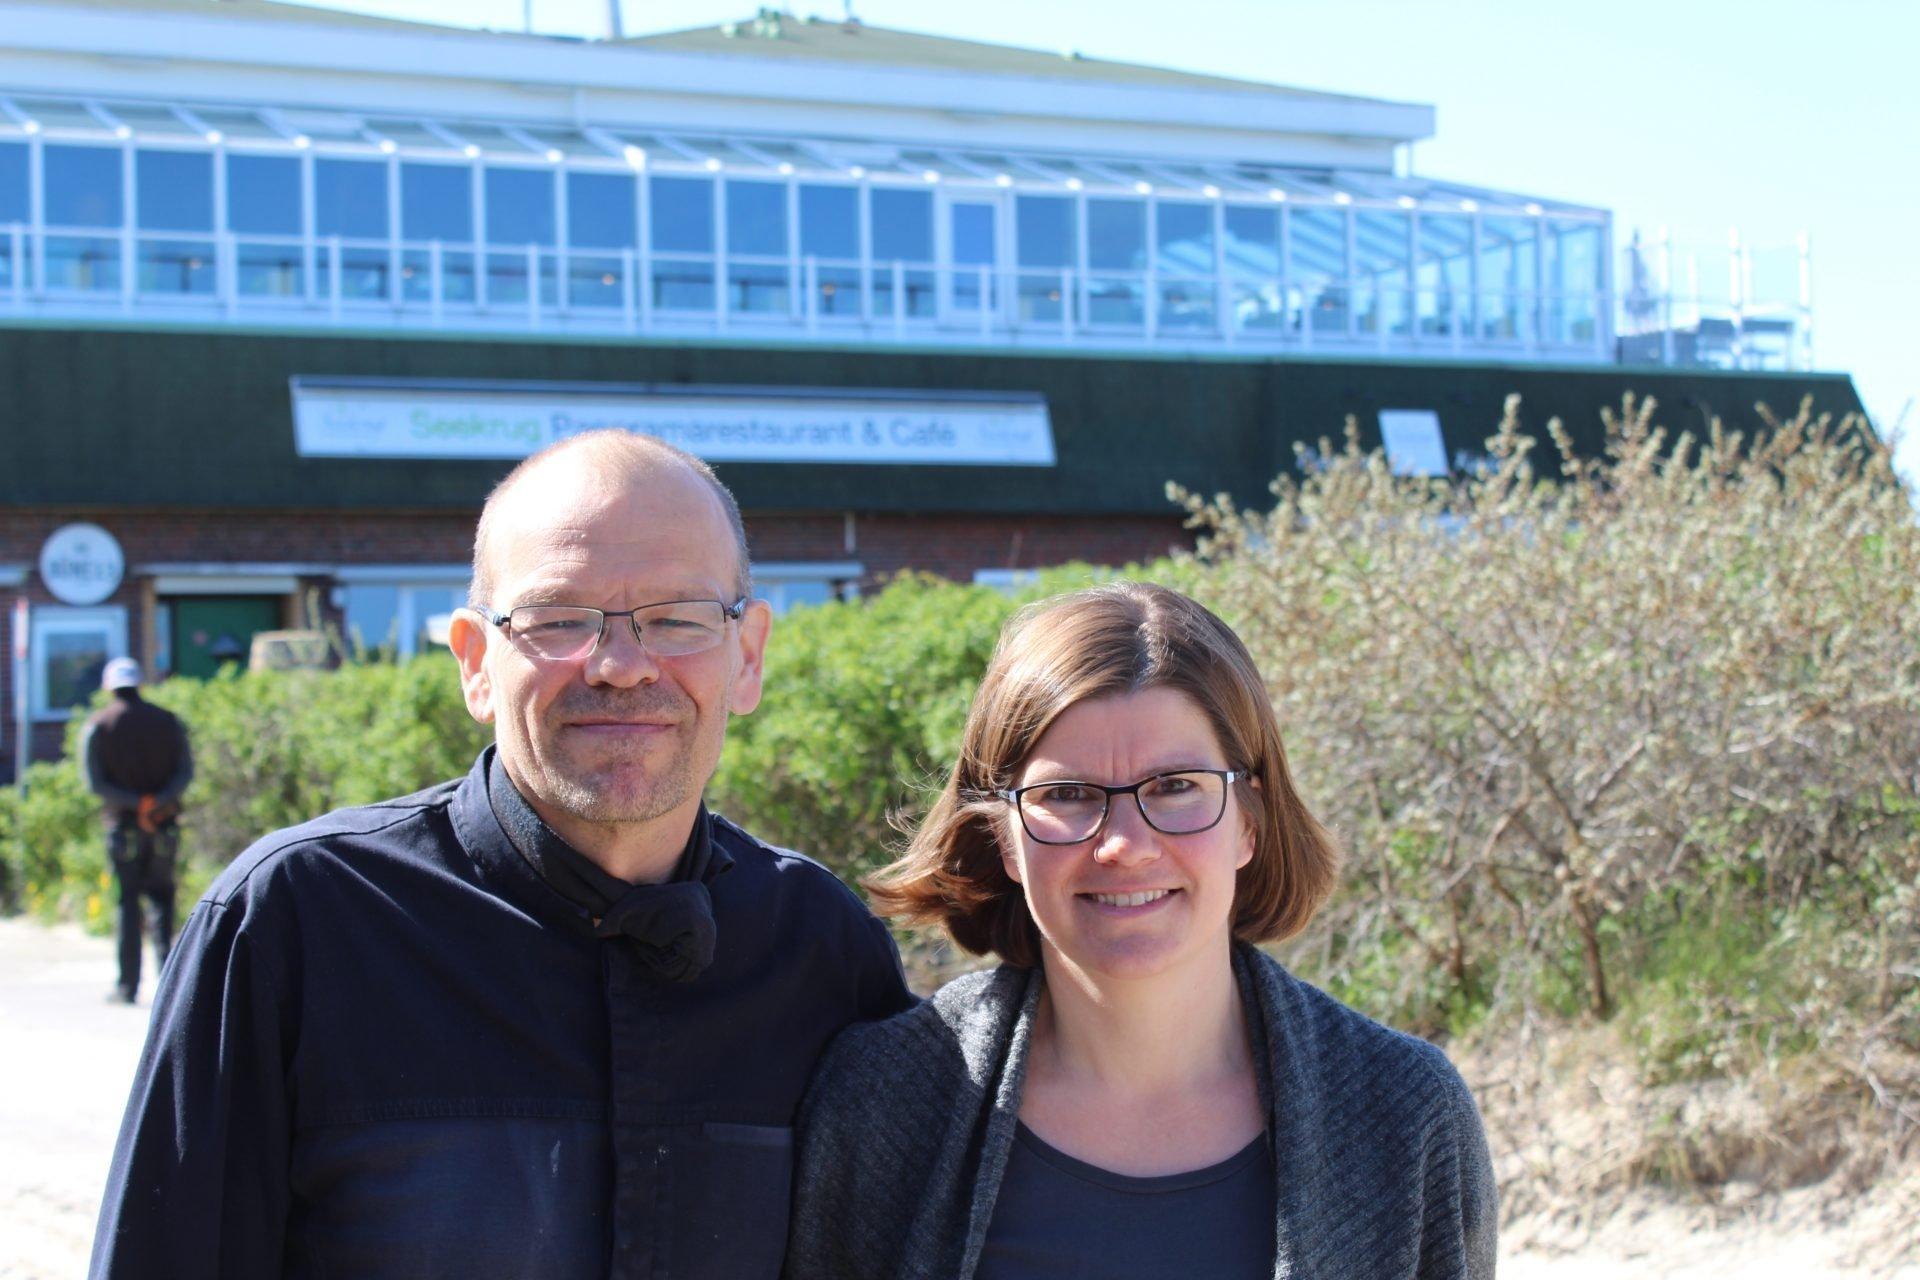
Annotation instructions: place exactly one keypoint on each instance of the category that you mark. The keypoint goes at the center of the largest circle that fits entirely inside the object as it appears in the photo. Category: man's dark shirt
(387, 1046)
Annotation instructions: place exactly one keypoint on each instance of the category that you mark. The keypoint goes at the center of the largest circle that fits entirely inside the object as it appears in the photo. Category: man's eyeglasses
(564, 632)
(1182, 803)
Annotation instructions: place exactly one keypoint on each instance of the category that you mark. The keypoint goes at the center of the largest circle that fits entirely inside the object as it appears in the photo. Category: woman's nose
(1126, 840)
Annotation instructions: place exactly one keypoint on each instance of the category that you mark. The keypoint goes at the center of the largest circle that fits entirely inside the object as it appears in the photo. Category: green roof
(812, 39)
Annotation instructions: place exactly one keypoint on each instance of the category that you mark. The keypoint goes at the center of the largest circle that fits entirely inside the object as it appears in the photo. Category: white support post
(563, 245)
(309, 260)
(722, 269)
(129, 201)
(533, 285)
(226, 272)
(17, 250)
(482, 260)
(628, 283)
(396, 296)
(1152, 280)
(333, 278)
(813, 293)
(37, 210)
(1222, 294)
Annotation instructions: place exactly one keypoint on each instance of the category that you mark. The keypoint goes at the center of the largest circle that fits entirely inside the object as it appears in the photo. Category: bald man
(551, 1019)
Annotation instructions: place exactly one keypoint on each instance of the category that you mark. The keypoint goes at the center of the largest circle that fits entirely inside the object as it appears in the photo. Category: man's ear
(467, 637)
(755, 626)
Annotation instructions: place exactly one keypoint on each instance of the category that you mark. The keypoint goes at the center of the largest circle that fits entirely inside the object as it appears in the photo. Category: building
(284, 290)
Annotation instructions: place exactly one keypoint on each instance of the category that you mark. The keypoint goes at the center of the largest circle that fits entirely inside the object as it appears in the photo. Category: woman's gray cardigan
(1380, 1162)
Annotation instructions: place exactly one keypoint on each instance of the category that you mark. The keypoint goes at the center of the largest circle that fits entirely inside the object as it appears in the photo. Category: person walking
(137, 760)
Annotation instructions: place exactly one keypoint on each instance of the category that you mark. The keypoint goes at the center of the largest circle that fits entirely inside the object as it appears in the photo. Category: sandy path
(68, 1056)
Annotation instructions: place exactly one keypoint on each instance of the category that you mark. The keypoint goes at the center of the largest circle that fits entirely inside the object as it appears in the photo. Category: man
(552, 1019)
(136, 759)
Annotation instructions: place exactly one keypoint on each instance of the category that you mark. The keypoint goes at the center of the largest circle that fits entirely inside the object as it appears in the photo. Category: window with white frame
(67, 650)
(396, 618)
(791, 585)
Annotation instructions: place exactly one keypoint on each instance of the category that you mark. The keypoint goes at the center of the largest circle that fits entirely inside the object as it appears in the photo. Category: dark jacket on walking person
(137, 760)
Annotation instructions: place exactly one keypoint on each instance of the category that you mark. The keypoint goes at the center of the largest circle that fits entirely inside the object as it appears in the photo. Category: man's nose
(620, 659)
(1126, 840)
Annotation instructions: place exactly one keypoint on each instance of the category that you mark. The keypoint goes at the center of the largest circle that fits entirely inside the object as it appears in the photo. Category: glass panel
(1117, 235)
(830, 222)
(1183, 255)
(902, 233)
(1506, 278)
(973, 248)
(1252, 253)
(1380, 284)
(1116, 300)
(1317, 268)
(83, 187)
(82, 262)
(1044, 231)
(1573, 281)
(757, 219)
(519, 208)
(72, 662)
(175, 266)
(1442, 278)
(830, 233)
(757, 228)
(263, 195)
(594, 280)
(271, 270)
(13, 183)
(973, 235)
(373, 619)
(902, 225)
(350, 199)
(173, 190)
(436, 202)
(600, 211)
(680, 211)
(1184, 233)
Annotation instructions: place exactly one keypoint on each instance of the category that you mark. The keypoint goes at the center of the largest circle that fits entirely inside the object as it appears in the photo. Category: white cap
(121, 673)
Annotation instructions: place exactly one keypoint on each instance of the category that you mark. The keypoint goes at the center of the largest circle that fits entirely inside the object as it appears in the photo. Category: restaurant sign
(403, 418)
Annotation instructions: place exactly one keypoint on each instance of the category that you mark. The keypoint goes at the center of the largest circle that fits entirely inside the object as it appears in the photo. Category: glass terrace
(161, 211)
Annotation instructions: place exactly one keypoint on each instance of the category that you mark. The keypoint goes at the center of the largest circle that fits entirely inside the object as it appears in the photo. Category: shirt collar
(572, 874)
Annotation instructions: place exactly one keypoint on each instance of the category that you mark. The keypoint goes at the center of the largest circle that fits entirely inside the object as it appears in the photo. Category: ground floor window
(787, 586)
(68, 649)
(399, 619)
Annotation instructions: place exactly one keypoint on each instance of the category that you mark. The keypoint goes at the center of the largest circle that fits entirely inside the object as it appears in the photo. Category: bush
(1647, 721)
(271, 749)
(861, 721)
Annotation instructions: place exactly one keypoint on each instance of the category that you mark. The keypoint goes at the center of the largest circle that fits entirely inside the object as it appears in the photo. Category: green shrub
(1638, 728)
(864, 705)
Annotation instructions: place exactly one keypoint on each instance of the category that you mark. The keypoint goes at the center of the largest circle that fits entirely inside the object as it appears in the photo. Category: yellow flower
(93, 906)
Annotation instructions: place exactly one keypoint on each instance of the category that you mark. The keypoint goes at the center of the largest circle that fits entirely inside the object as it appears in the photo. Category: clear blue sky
(1772, 116)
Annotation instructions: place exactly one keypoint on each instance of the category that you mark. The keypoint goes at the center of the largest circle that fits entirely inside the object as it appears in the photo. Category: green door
(210, 630)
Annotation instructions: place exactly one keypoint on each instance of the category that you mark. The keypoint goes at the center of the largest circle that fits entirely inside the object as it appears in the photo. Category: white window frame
(50, 620)
(409, 621)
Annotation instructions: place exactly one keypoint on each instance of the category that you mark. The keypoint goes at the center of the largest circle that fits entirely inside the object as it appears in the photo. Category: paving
(66, 1059)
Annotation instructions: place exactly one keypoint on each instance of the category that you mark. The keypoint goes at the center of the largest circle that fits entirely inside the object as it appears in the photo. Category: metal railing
(378, 283)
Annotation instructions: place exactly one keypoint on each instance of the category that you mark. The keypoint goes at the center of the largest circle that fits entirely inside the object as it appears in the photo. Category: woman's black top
(1057, 1218)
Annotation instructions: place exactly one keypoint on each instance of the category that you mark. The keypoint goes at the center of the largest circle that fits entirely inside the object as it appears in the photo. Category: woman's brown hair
(1114, 639)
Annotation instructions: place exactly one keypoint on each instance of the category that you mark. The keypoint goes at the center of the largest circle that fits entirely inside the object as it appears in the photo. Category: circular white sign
(81, 564)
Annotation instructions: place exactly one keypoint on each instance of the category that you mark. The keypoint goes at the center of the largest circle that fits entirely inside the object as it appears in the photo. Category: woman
(1137, 1091)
